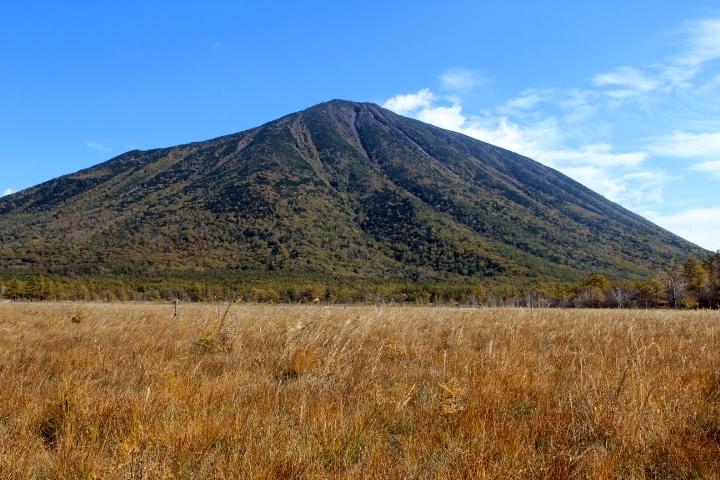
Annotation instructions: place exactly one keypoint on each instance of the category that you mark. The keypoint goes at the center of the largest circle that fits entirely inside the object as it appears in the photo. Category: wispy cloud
(704, 145)
(702, 42)
(461, 80)
(527, 100)
(712, 167)
(96, 146)
(217, 45)
(610, 133)
(596, 154)
(699, 225)
(8, 191)
(626, 79)
(702, 149)
(626, 84)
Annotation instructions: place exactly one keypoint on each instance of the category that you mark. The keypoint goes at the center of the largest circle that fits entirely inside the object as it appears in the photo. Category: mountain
(341, 189)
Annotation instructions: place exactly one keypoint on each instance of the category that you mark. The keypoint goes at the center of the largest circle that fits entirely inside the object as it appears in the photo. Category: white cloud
(406, 104)
(712, 167)
(96, 146)
(598, 180)
(626, 84)
(703, 42)
(462, 80)
(597, 154)
(578, 105)
(528, 99)
(626, 79)
(699, 225)
(700, 46)
(634, 190)
(531, 140)
(643, 188)
(7, 191)
(688, 145)
(450, 118)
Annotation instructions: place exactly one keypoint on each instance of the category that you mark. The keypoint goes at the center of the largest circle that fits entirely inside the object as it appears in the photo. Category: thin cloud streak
(96, 146)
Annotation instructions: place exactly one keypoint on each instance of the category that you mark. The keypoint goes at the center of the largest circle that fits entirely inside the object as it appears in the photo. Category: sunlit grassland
(130, 391)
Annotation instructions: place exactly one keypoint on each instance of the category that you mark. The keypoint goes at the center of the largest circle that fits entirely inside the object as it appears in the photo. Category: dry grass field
(125, 391)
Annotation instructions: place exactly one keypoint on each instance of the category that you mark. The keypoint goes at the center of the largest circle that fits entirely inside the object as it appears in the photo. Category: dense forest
(692, 284)
(342, 202)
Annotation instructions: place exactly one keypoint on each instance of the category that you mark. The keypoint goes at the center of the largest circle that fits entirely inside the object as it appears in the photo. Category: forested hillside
(341, 190)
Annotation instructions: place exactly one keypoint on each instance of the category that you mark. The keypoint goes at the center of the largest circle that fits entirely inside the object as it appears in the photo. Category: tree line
(693, 284)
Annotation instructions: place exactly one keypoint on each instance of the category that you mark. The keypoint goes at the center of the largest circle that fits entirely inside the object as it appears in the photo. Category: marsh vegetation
(133, 391)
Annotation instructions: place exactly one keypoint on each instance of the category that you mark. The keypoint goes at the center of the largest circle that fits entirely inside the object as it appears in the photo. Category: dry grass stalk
(357, 392)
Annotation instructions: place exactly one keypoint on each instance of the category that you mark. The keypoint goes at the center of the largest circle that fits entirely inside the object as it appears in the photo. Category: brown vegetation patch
(357, 392)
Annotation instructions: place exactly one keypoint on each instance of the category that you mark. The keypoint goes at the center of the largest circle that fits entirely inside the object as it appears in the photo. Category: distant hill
(340, 189)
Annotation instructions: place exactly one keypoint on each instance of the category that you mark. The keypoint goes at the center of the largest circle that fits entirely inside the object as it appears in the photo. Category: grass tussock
(129, 392)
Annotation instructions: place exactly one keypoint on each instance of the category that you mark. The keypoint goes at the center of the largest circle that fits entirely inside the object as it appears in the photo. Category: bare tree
(619, 295)
(677, 290)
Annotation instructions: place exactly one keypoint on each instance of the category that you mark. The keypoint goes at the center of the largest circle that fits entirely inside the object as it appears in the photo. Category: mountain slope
(341, 188)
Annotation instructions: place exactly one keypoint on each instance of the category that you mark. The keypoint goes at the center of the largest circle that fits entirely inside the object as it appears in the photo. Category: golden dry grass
(124, 391)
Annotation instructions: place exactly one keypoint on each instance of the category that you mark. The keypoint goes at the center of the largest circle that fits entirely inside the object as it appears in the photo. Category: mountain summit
(342, 188)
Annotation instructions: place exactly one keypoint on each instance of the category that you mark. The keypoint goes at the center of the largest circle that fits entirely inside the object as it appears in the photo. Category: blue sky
(623, 96)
